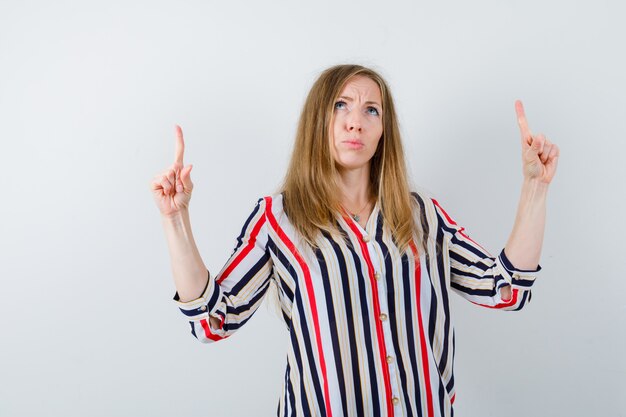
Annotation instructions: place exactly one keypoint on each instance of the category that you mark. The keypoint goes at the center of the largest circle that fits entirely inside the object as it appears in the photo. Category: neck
(354, 186)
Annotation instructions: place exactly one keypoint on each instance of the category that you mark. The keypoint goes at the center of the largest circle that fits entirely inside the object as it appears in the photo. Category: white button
(203, 308)
(389, 359)
(377, 276)
(382, 317)
(395, 400)
(366, 238)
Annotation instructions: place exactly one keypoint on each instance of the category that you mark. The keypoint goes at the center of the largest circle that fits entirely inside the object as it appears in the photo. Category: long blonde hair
(310, 191)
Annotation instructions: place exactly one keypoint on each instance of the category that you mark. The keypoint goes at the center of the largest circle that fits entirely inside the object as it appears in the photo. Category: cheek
(336, 124)
(377, 130)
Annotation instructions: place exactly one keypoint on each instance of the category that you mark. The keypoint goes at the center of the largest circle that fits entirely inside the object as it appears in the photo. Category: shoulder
(272, 206)
(272, 203)
(431, 210)
(424, 200)
(277, 222)
(421, 197)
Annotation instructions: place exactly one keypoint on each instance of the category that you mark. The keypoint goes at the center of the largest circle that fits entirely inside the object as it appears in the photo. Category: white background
(89, 95)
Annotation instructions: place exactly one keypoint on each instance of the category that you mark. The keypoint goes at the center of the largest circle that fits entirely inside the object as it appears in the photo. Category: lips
(354, 143)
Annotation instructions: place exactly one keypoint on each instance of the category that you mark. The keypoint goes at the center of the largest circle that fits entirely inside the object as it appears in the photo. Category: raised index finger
(180, 146)
(521, 120)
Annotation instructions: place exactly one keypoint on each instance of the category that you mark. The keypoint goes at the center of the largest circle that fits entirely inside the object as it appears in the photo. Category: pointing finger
(522, 122)
(180, 146)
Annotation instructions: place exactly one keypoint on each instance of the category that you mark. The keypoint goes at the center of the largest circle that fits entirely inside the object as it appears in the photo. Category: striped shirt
(369, 327)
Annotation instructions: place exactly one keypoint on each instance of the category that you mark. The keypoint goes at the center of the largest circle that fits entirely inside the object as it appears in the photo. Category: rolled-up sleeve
(233, 295)
(477, 275)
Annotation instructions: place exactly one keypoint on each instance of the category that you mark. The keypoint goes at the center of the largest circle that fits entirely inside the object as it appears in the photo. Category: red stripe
(310, 292)
(461, 229)
(379, 328)
(207, 331)
(244, 251)
(508, 303)
(418, 279)
(453, 398)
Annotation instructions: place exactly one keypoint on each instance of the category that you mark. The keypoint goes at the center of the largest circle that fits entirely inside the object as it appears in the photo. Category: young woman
(362, 265)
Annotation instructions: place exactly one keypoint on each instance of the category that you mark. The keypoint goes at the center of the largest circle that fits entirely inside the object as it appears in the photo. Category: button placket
(373, 258)
(381, 287)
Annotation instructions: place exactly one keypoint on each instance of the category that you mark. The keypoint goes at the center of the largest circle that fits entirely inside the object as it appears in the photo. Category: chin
(352, 164)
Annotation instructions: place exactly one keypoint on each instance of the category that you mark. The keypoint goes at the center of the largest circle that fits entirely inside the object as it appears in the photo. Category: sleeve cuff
(522, 278)
(204, 305)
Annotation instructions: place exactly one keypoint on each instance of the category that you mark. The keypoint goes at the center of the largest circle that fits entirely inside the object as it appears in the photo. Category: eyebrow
(367, 102)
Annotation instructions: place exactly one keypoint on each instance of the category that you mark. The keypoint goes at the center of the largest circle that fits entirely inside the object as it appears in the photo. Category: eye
(340, 105)
(373, 111)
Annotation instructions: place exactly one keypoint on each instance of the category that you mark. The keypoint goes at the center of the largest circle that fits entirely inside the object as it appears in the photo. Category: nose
(353, 123)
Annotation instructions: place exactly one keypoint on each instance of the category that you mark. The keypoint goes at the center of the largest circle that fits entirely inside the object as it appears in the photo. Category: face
(357, 124)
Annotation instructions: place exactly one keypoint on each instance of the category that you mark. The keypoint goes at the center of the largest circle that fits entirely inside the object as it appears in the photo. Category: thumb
(185, 180)
(538, 142)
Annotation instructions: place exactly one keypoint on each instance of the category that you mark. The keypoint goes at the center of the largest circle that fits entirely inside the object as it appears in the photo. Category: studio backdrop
(89, 96)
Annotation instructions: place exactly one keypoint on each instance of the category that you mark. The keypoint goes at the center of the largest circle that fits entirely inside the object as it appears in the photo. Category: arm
(504, 281)
(526, 239)
(216, 307)
(190, 274)
(539, 159)
(524, 245)
(172, 192)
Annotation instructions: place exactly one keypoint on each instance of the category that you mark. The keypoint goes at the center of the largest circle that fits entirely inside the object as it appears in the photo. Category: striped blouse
(369, 327)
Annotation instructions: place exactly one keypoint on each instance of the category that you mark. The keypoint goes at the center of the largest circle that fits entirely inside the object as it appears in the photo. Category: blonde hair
(310, 191)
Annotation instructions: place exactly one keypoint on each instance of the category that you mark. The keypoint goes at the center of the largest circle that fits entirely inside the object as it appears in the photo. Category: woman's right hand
(172, 188)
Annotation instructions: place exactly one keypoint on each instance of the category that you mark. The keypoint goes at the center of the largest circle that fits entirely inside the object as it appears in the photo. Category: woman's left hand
(539, 155)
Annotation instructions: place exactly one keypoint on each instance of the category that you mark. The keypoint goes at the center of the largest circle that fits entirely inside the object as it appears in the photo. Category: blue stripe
(233, 312)
(295, 343)
(251, 273)
(247, 224)
(332, 325)
(409, 304)
(305, 339)
(445, 301)
(350, 323)
(366, 316)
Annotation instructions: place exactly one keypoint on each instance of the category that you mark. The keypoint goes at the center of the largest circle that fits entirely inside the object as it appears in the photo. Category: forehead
(363, 88)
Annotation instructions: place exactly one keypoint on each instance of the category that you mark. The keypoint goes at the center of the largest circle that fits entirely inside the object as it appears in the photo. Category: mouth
(354, 143)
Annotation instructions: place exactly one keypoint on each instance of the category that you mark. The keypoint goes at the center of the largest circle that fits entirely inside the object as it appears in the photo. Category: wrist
(178, 218)
(535, 186)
